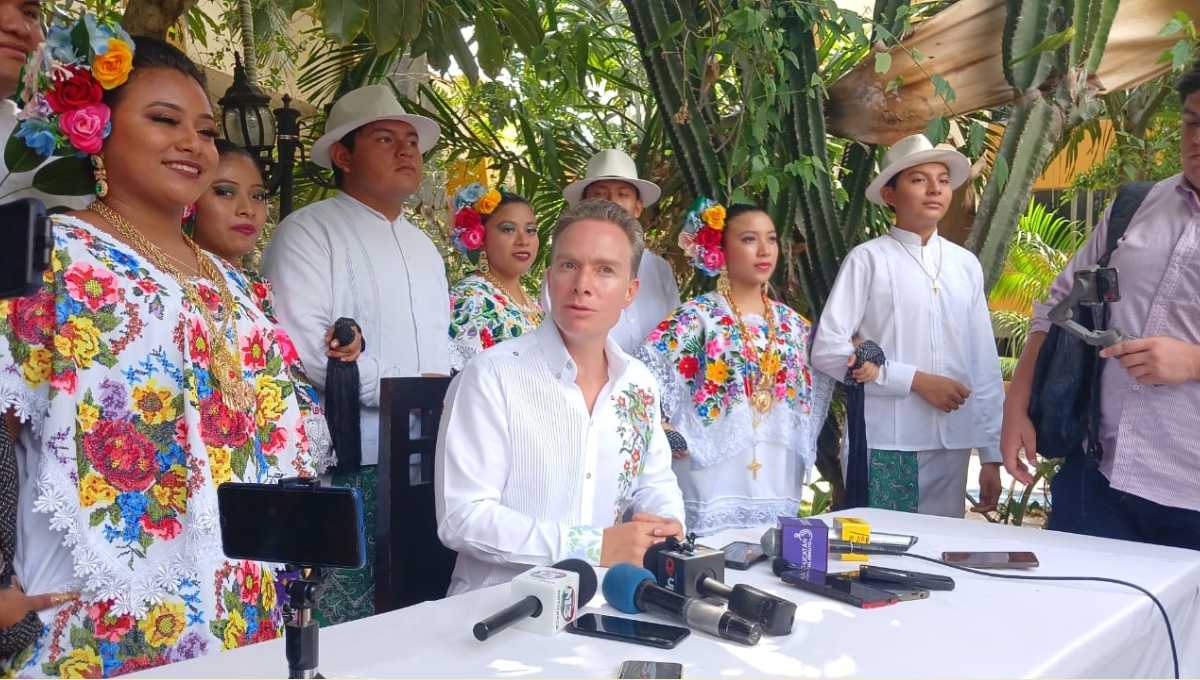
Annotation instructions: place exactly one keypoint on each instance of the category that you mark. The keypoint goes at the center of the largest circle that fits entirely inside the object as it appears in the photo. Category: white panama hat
(367, 105)
(913, 151)
(611, 164)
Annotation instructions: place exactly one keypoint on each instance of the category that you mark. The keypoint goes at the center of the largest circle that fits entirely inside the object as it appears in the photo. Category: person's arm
(987, 383)
(297, 264)
(473, 463)
(833, 344)
(657, 490)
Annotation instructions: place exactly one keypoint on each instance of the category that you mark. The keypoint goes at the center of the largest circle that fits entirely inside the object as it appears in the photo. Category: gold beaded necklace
(760, 388)
(224, 365)
(527, 310)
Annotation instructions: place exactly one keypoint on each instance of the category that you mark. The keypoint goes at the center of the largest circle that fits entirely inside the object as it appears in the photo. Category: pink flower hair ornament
(471, 204)
(700, 238)
(63, 84)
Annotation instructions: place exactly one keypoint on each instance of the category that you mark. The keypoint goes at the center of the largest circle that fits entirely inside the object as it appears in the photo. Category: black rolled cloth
(858, 492)
(677, 441)
(342, 408)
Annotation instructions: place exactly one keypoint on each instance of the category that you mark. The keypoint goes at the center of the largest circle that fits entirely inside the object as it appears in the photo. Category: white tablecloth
(986, 627)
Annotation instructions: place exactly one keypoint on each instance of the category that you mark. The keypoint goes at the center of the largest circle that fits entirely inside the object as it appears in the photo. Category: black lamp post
(250, 123)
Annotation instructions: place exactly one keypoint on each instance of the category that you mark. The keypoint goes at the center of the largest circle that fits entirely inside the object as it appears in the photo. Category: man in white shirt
(611, 175)
(549, 439)
(355, 255)
(921, 298)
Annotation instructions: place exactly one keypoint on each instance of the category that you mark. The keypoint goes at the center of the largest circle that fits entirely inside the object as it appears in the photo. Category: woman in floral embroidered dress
(733, 367)
(144, 375)
(498, 230)
(228, 220)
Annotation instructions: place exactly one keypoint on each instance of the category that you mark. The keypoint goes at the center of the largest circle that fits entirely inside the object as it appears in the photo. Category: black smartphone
(622, 629)
(292, 523)
(878, 576)
(904, 592)
(25, 242)
(651, 669)
(742, 554)
(992, 560)
(839, 588)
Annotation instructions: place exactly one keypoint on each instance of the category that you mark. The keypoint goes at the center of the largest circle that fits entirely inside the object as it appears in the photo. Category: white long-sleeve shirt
(657, 297)
(338, 258)
(882, 294)
(526, 476)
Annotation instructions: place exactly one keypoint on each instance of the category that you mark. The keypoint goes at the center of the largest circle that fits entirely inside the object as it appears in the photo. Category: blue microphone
(632, 589)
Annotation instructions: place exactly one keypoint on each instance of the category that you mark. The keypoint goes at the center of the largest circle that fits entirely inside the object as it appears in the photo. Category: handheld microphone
(695, 576)
(558, 592)
(632, 589)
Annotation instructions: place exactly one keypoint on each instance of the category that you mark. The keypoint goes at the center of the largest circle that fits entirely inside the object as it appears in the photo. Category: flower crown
(471, 204)
(63, 84)
(701, 235)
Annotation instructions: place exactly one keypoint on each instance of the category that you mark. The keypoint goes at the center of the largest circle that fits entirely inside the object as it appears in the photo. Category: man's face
(385, 161)
(921, 196)
(590, 279)
(622, 193)
(1191, 139)
(20, 33)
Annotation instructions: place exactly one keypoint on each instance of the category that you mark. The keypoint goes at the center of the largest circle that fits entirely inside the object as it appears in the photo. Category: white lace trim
(707, 518)
(460, 354)
(29, 406)
(320, 443)
(102, 572)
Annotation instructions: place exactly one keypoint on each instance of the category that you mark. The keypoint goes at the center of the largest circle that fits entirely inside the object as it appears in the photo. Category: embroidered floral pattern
(635, 427)
(583, 543)
(135, 439)
(702, 341)
(480, 317)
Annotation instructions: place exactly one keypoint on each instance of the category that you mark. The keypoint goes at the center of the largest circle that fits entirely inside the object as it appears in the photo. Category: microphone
(558, 591)
(774, 614)
(632, 589)
(772, 542)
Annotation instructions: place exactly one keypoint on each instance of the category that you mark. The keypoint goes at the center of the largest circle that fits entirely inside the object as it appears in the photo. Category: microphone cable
(1098, 579)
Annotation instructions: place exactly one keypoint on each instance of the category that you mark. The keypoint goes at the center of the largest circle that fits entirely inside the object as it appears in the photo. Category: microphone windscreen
(587, 578)
(780, 565)
(621, 583)
(650, 559)
(772, 542)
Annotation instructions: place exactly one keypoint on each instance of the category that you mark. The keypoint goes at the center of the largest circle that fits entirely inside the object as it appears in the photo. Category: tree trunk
(153, 18)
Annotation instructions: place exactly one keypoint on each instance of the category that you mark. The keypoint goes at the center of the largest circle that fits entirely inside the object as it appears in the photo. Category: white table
(984, 628)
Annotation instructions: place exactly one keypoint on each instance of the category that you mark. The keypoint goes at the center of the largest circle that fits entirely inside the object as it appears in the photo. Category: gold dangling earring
(483, 263)
(724, 287)
(101, 176)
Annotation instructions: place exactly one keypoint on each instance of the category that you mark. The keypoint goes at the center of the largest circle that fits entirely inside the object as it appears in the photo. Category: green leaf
(1050, 44)
(883, 62)
(489, 49)
(894, 83)
(853, 21)
(97, 517)
(581, 57)
(342, 19)
(942, 88)
(975, 139)
(18, 157)
(1000, 172)
(523, 23)
(69, 176)
(1173, 26)
(389, 22)
(938, 129)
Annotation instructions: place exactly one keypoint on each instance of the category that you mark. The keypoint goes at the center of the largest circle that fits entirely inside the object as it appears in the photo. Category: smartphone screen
(318, 527)
(992, 560)
(838, 587)
(651, 669)
(628, 630)
(742, 554)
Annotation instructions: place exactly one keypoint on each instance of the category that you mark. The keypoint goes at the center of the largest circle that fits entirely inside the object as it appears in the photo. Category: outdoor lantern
(246, 116)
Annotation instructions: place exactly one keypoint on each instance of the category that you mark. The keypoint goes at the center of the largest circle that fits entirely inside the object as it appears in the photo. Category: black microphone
(694, 575)
(632, 589)
(558, 591)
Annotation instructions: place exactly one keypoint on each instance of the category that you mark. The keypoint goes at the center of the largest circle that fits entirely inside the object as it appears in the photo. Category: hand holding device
(1093, 286)
(632, 589)
(548, 598)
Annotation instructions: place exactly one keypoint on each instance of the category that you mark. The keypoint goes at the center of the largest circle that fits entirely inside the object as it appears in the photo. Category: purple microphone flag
(805, 542)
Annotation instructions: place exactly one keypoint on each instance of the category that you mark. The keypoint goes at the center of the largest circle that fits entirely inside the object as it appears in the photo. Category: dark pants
(1082, 502)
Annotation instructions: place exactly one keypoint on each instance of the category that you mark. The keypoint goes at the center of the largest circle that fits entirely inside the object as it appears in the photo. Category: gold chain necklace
(526, 309)
(224, 365)
(932, 279)
(760, 388)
